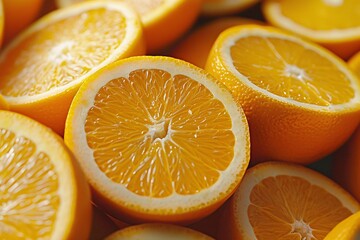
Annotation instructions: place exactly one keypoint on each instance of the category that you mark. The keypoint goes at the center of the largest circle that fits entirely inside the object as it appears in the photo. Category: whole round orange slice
(302, 102)
(152, 231)
(164, 21)
(334, 24)
(44, 194)
(159, 139)
(278, 200)
(42, 69)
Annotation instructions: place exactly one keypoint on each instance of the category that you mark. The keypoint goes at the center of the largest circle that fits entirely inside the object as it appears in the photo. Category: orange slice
(43, 68)
(336, 26)
(225, 7)
(286, 201)
(301, 101)
(155, 231)
(164, 20)
(354, 63)
(159, 139)
(1, 22)
(44, 195)
(348, 229)
(19, 14)
(195, 47)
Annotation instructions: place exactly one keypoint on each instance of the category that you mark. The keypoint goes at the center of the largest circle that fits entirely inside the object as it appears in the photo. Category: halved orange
(157, 231)
(348, 229)
(44, 194)
(42, 69)
(164, 21)
(334, 24)
(302, 102)
(225, 7)
(196, 47)
(159, 139)
(277, 200)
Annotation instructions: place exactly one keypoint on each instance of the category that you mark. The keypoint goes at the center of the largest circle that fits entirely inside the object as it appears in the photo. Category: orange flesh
(323, 14)
(142, 7)
(158, 134)
(61, 52)
(289, 70)
(28, 189)
(291, 208)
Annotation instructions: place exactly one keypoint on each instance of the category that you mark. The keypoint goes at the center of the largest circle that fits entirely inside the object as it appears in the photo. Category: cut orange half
(164, 20)
(196, 47)
(42, 69)
(225, 7)
(159, 139)
(157, 231)
(286, 201)
(348, 229)
(302, 102)
(44, 195)
(333, 23)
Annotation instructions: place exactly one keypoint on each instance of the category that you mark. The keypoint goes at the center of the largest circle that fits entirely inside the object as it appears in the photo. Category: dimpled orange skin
(289, 133)
(159, 34)
(323, 134)
(346, 165)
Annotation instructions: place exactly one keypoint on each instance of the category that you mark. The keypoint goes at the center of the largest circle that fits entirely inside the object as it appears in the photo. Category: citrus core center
(159, 130)
(303, 229)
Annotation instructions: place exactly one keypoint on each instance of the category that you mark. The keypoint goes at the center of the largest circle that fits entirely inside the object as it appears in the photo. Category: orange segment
(280, 200)
(337, 27)
(156, 129)
(163, 20)
(294, 93)
(43, 193)
(152, 231)
(195, 47)
(43, 68)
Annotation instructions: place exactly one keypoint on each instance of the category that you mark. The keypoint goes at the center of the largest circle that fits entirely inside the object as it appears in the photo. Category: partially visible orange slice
(302, 102)
(156, 231)
(164, 21)
(196, 47)
(286, 201)
(334, 24)
(354, 63)
(225, 7)
(159, 139)
(42, 69)
(44, 194)
(348, 229)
